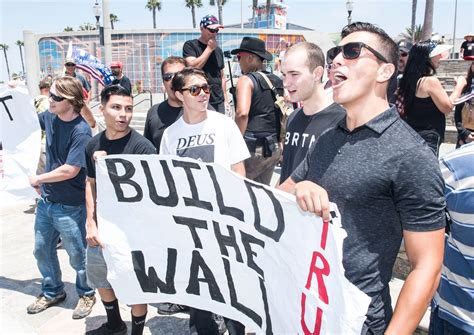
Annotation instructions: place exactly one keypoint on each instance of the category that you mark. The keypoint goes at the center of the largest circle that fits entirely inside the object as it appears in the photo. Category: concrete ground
(20, 284)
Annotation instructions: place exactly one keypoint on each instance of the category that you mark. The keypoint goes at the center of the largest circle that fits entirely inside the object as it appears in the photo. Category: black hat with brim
(255, 46)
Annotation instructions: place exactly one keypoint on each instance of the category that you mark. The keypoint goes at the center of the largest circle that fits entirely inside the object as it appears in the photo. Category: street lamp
(349, 7)
(97, 13)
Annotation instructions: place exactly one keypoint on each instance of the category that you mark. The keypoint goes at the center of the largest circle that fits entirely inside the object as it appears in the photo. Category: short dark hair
(44, 83)
(389, 48)
(172, 60)
(108, 91)
(179, 78)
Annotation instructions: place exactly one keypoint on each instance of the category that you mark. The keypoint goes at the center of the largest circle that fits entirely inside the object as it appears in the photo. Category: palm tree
(5, 48)
(428, 21)
(413, 18)
(268, 4)
(254, 9)
(21, 44)
(68, 29)
(193, 4)
(410, 36)
(87, 26)
(153, 6)
(219, 4)
(113, 18)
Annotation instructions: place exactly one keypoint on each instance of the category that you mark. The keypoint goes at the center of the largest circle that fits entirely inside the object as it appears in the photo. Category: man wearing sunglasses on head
(204, 53)
(385, 181)
(164, 114)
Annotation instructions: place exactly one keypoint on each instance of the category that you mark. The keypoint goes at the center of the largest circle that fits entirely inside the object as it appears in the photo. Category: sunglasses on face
(352, 50)
(196, 90)
(403, 54)
(214, 31)
(70, 64)
(55, 97)
(168, 76)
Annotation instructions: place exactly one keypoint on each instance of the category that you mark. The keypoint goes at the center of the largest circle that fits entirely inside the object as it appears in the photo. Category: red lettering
(317, 322)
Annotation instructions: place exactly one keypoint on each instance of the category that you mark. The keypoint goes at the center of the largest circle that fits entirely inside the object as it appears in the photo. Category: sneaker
(169, 309)
(104, 330)
(84, 306)
(43, 303)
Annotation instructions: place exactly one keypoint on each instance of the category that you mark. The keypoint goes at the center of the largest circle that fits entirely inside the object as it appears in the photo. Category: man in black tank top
(256, 114)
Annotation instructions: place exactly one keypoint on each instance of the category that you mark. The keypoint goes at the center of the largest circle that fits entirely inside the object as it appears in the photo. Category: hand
(98, 154)
(212, 44)
(313, 198)
(34, 181)
(470, 138)
(461, 81)
(92, 234)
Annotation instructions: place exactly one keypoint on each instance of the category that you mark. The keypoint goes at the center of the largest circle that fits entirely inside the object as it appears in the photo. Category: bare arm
(425, 252)
(244, 99)
(61, 173)
(199, 62)
(92, 233)
(239, 168)
(441, 99)
(224, 87)
(88, 116)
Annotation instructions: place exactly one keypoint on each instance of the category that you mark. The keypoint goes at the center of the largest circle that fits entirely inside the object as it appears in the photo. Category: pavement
(20, 283)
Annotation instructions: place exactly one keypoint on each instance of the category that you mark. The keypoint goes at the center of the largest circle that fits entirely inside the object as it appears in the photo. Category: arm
(425, 253)
(92, 233)
(244, 99)
(440, 97)
(238, 168)
(199, 62)
(88, 116)
(61, 173)
(463, 132)
(224, 87)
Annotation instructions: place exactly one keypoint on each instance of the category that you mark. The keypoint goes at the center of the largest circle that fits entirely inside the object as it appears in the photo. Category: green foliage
(153, 5)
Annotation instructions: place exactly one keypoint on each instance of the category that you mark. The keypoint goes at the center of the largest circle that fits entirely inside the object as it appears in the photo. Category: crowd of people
(346, 144)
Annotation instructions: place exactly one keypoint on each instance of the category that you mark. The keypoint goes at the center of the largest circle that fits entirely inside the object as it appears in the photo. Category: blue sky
(49, 16)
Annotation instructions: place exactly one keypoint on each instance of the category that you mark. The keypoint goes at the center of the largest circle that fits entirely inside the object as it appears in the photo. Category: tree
(68, 29)
(219, 4)
(5, 48)
(153, 6)
(193, 4)
(413, 18)
(87, 26)
(21, 44)
(113, 18)
(428, 21)
(410, 36)
(268, 6)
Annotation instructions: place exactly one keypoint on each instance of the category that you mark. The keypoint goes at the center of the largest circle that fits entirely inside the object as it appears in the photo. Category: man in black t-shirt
(164, 114)
(303, 69)
(120, 78)
(117, 138)
(203, 53)
(467, 47)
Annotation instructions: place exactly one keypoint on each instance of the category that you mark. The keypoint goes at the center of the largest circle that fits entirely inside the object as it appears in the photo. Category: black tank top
(424, 115)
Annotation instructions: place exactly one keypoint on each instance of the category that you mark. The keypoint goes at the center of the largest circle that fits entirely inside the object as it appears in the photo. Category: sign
(20, 136)
(177, 230)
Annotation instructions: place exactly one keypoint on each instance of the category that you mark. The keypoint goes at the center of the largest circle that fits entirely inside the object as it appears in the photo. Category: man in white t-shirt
(209, 137)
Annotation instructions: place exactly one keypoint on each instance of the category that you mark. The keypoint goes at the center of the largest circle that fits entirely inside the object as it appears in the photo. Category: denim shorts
(96, 268)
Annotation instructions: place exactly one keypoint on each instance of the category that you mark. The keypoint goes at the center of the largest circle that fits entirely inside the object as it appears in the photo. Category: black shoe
(104, 330)
(169, 309)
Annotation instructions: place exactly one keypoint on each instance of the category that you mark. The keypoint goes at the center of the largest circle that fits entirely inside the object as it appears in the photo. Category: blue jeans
(53, 220)
(440, 326)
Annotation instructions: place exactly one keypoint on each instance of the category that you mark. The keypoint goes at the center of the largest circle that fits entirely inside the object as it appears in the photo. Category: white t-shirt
(217, 139)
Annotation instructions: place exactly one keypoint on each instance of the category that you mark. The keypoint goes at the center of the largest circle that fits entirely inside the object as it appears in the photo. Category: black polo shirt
(384, 179)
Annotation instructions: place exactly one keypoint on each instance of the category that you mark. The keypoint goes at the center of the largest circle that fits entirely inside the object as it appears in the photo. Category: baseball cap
(210, 21)
(70, 60)
(404, 46)
(440, 49)
(116, 64)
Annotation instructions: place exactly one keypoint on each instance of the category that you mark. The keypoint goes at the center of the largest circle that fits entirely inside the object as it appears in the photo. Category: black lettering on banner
(247, 240)
(229, 241)
(192, 224)
(172, 199)
(117, 180)
(194, 201)
(223, 209)
(273, 234)
(268, 319)
(233, 296)
(151, 282)
(197, 262)
(2, 100)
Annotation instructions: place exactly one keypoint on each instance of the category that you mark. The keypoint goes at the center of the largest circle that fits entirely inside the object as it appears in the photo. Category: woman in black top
(464, 114)
(422, 101)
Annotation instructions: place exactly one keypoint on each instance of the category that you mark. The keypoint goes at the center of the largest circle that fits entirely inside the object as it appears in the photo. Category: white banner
(20, 135)
(176, 230)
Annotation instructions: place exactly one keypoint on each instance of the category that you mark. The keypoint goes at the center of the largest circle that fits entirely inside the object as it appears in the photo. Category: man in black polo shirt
(384, 180)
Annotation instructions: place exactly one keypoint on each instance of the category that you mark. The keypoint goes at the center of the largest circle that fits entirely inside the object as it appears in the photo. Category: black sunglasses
(213, 30)
(168, 76)
(403, 54)
(56, 98)
(196, 90)
(70, 64)
(352, 51)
